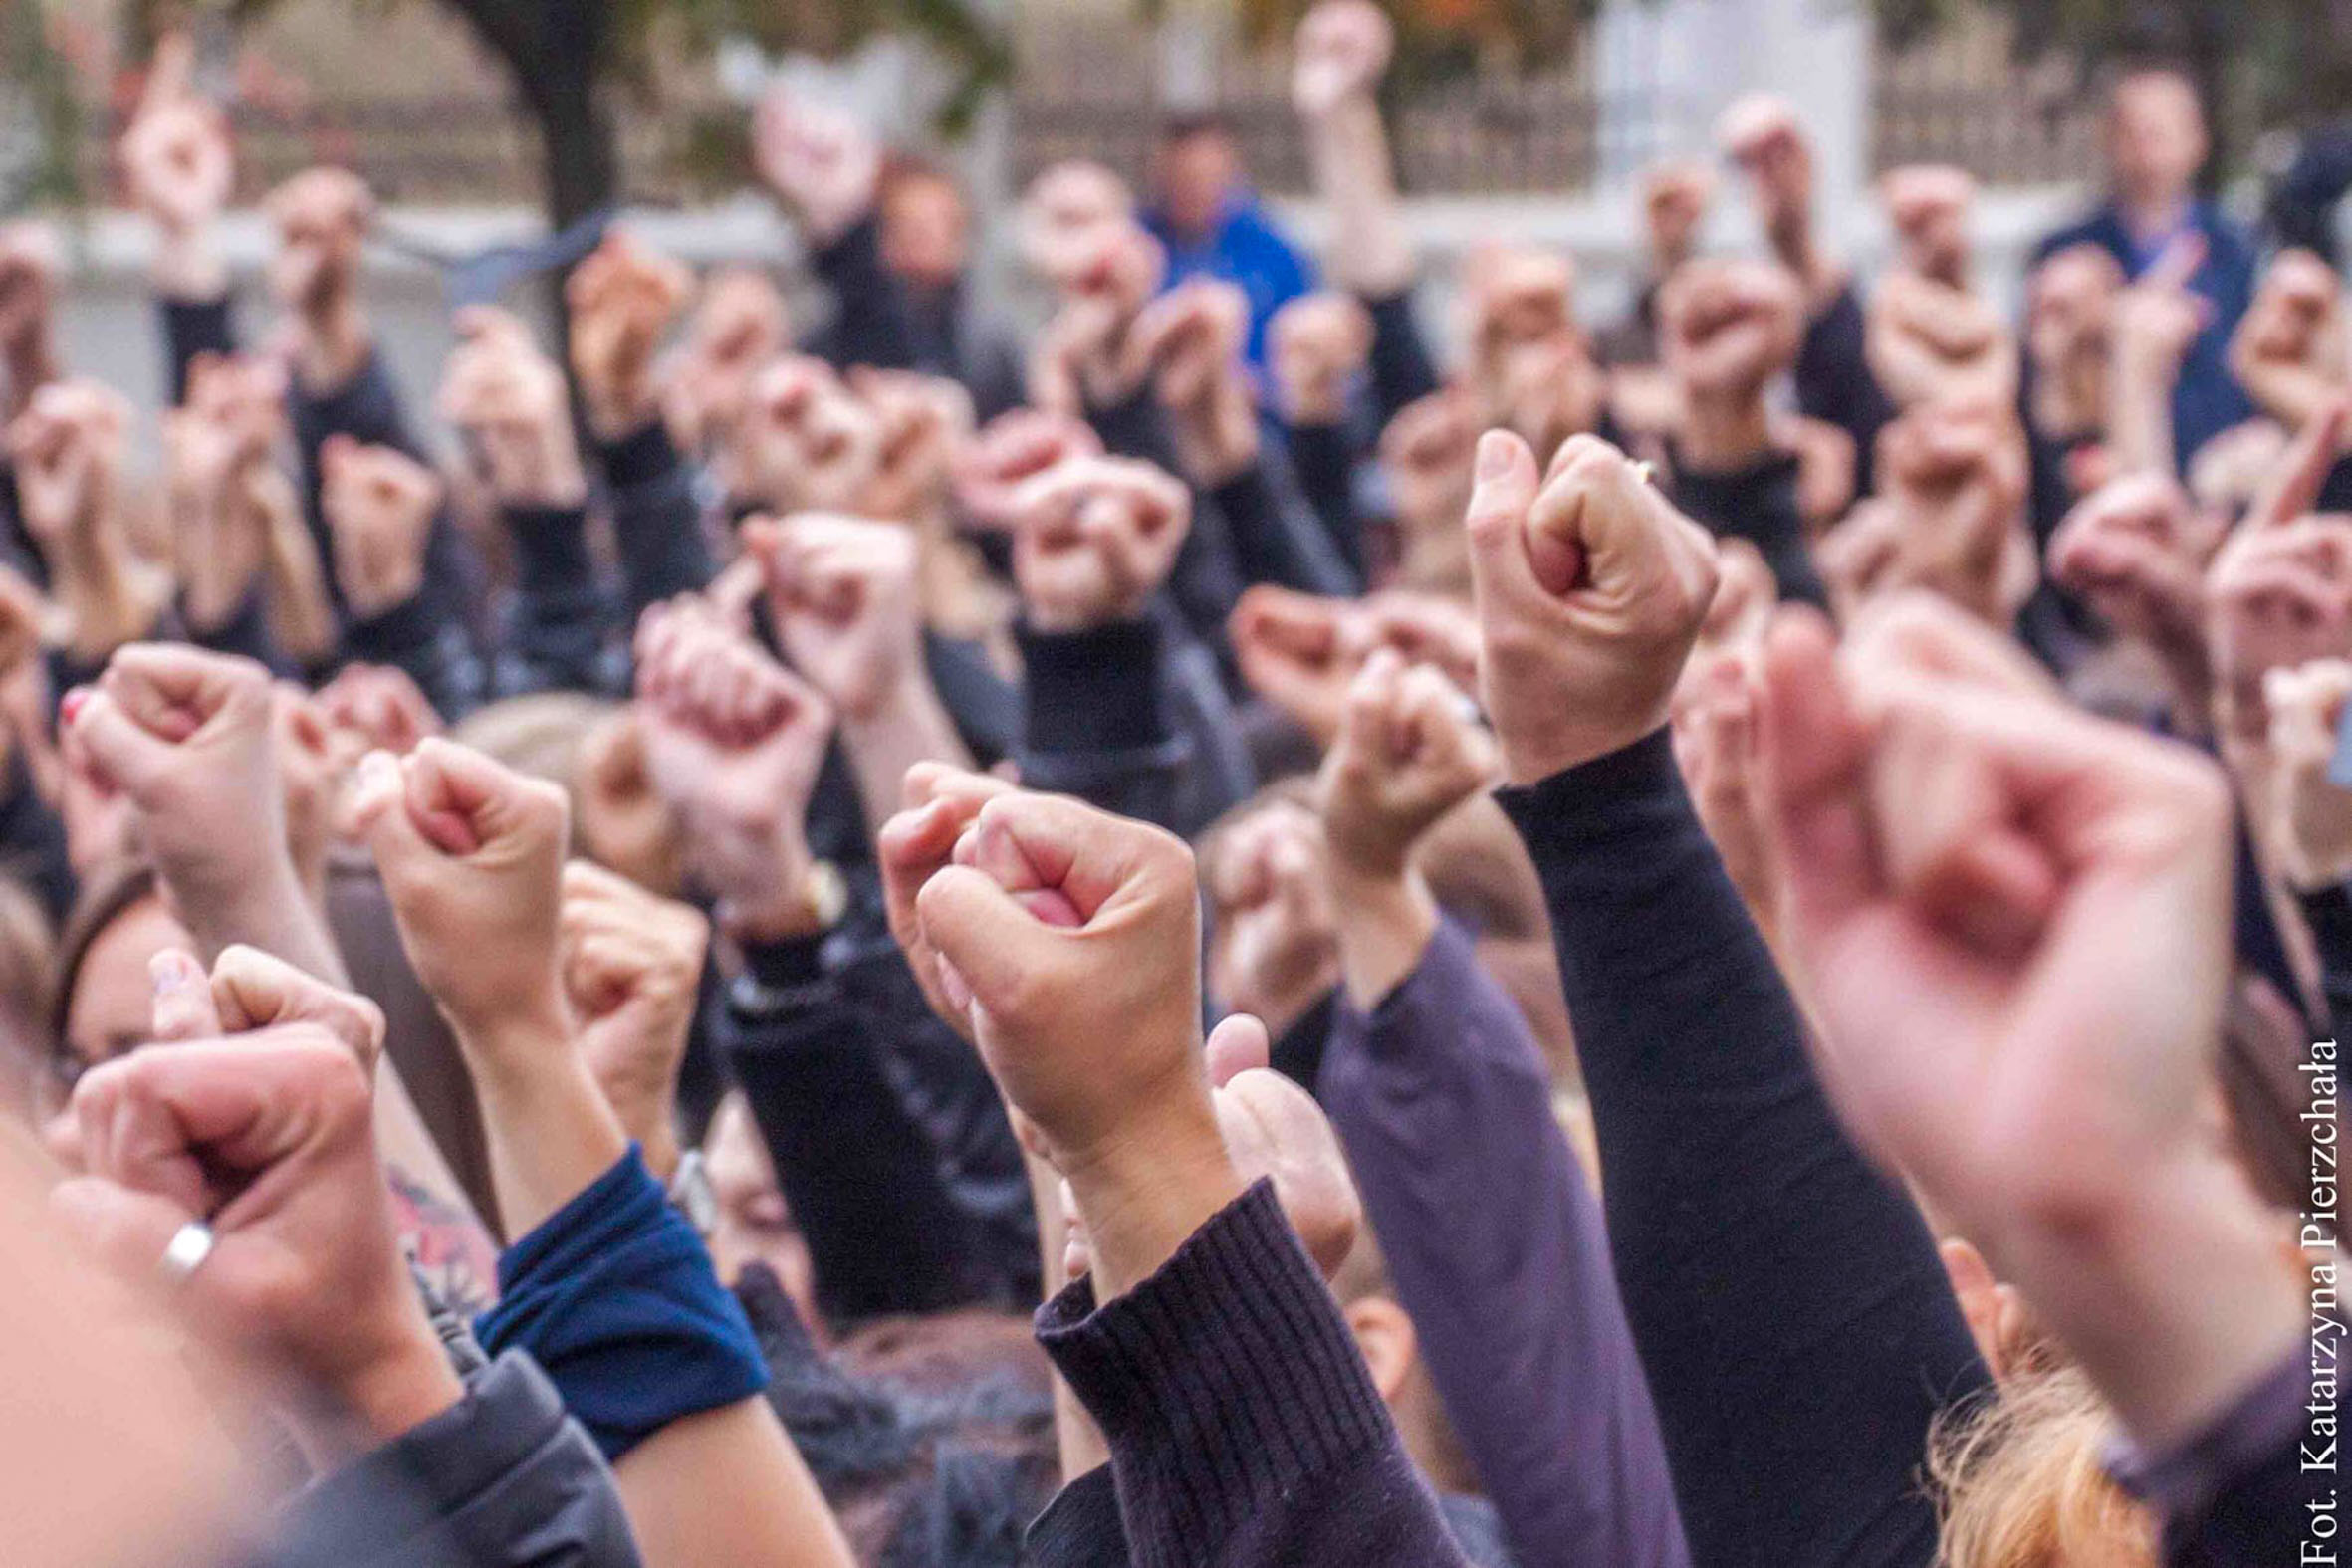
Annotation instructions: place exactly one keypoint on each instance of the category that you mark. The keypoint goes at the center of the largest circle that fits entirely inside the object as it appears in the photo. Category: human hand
(175, 155)
(1273, 923)
(1719, 747)
(818, 160)
(2276, 598)
(1929, 340)
(1299, 652)
(633, 973)
(843, 597)
(1343, 49)
(1409, 751)
(2012, 920)
(1729, 328)
(623, 297)
(2155, 319)
(379, 503)
(1059, 927)
(1085, 355)
(1591, 590)
(734, 743)
(1063, 214)
(1095, 540)
(509, 401)
(624, 822)
(739, 325)
(68, 449)
(267, 1139)
(1926, 206)
(189, 738)
(375, 708)
(471, 855)
(1191, 339)
(2309, 814)
(2070, 304)
(1428, 453)
(2289, 351)
(248, 989)
(806, 443)
(925, 421)
(1955, 479)
(1675, 196)
(2135, 551)
(1764, 136)
(1316, 345)
(1011, 449)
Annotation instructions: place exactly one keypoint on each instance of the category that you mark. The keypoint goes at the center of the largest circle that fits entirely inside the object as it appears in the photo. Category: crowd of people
(1706, 940)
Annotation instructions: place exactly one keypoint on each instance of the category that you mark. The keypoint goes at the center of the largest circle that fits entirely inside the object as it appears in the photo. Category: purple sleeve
(1496, 1248)
(1243, 1426)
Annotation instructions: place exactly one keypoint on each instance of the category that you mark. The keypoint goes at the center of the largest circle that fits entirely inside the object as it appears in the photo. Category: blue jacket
(2207, 399)
(1247, 250)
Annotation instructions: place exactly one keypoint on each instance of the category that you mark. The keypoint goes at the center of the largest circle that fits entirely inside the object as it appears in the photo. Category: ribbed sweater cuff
(1095, 690)
(551, 545)
(639, 458)
(1220, 1382)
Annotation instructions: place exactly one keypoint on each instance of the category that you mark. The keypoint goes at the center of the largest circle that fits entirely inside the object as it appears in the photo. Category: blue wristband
(615, 1297)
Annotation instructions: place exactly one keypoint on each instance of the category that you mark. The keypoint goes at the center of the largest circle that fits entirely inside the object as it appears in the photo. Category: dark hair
(1192, 123)
(107, 894)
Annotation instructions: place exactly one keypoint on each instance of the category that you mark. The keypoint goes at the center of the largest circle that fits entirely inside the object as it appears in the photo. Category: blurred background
(491, 122)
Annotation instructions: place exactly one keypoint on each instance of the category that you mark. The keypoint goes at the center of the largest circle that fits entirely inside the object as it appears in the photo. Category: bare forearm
(1372, 250)
(911, 727)
(1385, 926)
(775, 1516)
(551, 1133)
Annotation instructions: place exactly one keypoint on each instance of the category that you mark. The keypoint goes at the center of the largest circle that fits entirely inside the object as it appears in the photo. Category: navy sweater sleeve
(1241, 1425)
(1323, 457)
(1498, 1250)
(1834, 384)
(1757, 504)
(1792, 1311)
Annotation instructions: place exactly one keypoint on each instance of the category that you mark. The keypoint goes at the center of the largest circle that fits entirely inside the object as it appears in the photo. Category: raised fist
(379, 503)
(1410, 749)
(176, 158)
(323, 216)
(817, 160)
(1097, 539)
(1343, 49)
(734, 743)
(845, 602)
(2135, 552)
(1729, 328)
(1316, 345)
(806, 442)
(1011, 450)
(633, 973)
(739, 325)
(1062, 215)
(509, 401)
(2289, 352)
(1930, 341)
(1955, 478)
(1927, 205)
(622, 298)
(1591, 590)
(1274, 934)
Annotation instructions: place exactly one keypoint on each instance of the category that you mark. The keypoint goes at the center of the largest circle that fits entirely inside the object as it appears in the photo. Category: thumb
(122, 750)
(982, 932)
(381, 819)
(1238, 1045)
(1505, 490)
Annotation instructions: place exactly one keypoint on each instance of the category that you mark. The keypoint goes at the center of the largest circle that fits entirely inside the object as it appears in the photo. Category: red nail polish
(73, 702)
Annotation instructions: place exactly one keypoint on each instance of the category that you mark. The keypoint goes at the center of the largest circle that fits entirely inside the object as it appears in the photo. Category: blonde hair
(2021, 1482)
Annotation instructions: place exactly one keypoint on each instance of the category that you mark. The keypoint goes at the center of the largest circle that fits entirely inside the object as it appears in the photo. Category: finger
(183, 1008)
(1816, 751)
(2176, 264)
(170, 74)
(1504, 493)
(980, 932)
(127, 1232)
(1238, 1045)
(257, 991)
(448, 782)
(2297, 485)
(123, 751)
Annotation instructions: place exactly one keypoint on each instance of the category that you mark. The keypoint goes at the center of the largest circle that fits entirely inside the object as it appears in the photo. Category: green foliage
(40, 112)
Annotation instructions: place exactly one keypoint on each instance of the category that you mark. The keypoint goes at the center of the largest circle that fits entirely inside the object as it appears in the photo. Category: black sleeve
(192, 327)
(33, 839)
(864, 1182)
(871, 325)
(1275, 538)
(1758, 504)
(656, 520)
(1099, 725)
(1402, 371)
(2328, 913)
(431, 647)
(1790, 1309)
(985, 707)
(246, 632)
(1323, 458)
(1834, 384)
(557, 623)
(1206, 581)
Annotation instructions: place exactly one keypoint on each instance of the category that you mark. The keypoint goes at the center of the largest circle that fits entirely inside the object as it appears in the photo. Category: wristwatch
(692, 1195)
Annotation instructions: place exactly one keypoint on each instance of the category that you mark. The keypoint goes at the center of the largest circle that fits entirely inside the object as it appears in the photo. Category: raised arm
(1592, 591)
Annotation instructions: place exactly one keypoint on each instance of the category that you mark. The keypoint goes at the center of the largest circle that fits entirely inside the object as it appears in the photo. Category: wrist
(904, 697)
(805, 898)
(1386, 923)
(1724, 434)
(392, 1394)
(1144, 1193)
(516, 1044)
